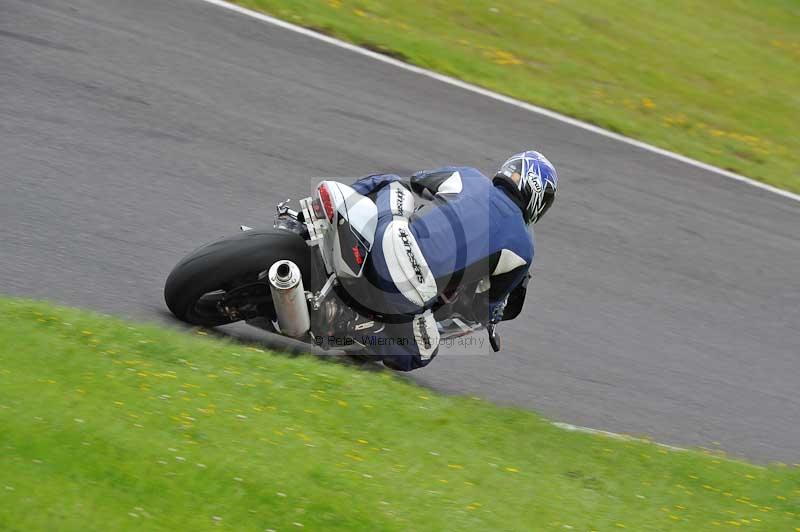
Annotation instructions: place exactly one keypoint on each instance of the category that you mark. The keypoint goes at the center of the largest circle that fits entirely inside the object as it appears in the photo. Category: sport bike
(296, 278)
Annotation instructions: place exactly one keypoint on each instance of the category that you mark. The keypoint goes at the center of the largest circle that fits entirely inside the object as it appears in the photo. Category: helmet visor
(511, 167)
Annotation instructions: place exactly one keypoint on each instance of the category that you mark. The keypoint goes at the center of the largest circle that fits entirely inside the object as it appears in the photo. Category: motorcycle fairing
(355, 219)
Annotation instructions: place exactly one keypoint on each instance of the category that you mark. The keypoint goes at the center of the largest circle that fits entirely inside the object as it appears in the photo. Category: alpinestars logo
(423, 332)
(410, 254)
(400, 199)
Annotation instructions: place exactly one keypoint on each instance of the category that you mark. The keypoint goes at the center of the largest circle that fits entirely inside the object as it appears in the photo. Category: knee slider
(426, 334)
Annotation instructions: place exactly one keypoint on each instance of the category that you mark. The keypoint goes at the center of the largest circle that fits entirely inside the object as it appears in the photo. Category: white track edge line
(613, 435)
(505, 99)
(625, 437)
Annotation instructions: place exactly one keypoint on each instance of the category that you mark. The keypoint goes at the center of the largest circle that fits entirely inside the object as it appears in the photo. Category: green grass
(717, 80)
(106, 425)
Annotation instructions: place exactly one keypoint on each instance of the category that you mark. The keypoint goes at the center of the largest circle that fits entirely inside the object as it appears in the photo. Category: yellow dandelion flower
(502, 57)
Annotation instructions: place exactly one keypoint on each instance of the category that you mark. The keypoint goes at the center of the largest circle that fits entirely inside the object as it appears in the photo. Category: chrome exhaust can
(289, 298)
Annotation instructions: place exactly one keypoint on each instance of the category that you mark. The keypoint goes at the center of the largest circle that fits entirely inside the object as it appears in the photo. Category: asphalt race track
(665, 301)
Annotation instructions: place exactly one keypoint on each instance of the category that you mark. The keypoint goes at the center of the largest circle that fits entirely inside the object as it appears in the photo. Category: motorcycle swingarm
(247, 301)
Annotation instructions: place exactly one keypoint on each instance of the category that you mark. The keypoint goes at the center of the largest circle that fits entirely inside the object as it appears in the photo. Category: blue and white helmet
(537, 182)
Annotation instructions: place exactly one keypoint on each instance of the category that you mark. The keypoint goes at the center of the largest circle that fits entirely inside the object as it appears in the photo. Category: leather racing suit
(473, 233)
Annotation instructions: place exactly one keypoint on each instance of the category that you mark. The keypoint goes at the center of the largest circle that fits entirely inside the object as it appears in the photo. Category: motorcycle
(297, 278)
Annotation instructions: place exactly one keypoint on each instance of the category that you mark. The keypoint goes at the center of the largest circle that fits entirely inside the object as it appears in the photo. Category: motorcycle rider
(475, 233)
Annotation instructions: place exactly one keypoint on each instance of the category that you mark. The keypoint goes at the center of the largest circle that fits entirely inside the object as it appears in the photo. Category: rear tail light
(325, 198)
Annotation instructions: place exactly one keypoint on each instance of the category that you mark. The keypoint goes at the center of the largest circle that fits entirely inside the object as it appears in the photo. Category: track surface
(666, 299)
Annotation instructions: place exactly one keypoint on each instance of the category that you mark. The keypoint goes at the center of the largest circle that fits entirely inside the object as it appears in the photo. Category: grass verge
(106, 425)
(712, 79)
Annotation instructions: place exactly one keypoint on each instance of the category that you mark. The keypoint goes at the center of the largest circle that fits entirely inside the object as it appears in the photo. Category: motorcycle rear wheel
(200, 280)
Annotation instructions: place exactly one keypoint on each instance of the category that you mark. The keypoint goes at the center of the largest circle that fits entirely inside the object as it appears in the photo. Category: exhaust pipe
(289, 298)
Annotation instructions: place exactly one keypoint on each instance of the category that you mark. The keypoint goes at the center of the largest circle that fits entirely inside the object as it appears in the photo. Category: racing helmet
(536, 180)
